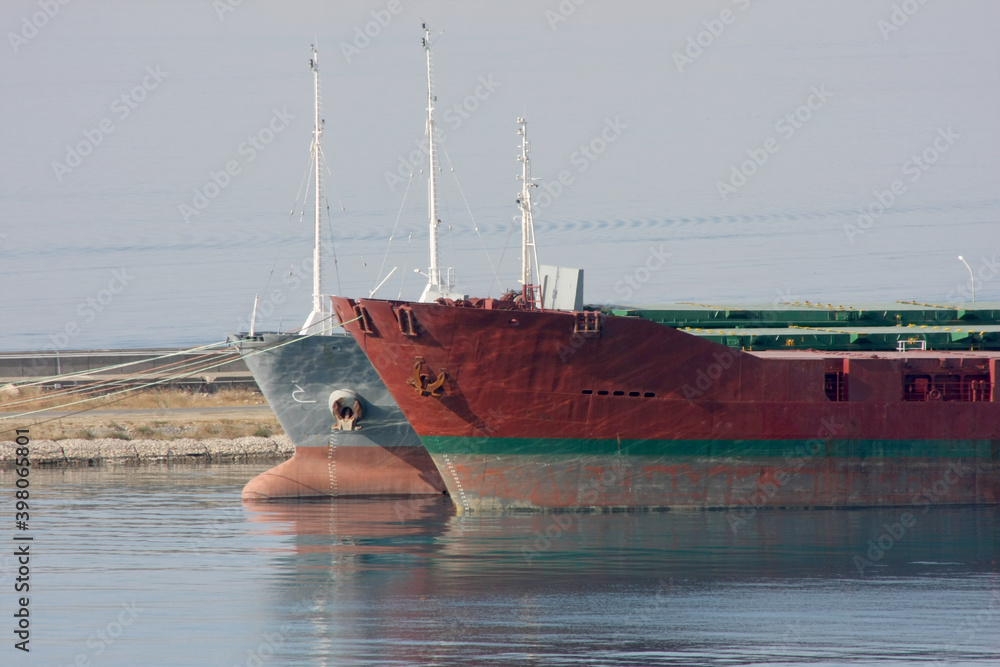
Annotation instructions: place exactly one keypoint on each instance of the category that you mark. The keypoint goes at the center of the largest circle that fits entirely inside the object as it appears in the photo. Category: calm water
(630, 143)
(164, 565)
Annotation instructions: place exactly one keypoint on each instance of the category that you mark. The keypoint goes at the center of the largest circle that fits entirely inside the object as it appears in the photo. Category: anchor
(422, 383)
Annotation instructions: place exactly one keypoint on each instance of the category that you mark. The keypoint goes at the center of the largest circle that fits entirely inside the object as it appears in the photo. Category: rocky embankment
(104, 451)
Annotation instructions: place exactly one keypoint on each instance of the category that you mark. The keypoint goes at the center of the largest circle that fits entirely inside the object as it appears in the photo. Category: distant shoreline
(97, 452)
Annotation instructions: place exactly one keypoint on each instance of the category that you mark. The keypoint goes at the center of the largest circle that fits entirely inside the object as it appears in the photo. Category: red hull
(526, 482)
(515, 382)
(526, 380)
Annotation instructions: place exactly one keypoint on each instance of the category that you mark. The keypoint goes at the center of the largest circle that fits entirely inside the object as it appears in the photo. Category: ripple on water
(409, 581)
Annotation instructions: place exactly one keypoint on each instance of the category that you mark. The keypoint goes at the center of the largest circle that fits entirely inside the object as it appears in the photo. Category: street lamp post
(972, 277)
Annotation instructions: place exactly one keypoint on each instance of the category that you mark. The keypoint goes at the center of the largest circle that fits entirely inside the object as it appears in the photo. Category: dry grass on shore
(91, 424)
(158, 429)
(27, 399)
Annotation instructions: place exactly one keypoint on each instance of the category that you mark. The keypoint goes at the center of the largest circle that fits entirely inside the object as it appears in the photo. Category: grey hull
(297, 375)
(366, 449)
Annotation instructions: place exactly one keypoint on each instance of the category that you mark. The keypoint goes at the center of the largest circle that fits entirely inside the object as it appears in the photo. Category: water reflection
(639, 545)
(354, 533)
(411, 581)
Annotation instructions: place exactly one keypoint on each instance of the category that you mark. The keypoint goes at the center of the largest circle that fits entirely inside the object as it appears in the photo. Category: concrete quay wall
(105, 451)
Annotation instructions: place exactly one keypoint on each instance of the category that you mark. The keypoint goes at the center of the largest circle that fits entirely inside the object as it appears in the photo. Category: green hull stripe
(723, 449)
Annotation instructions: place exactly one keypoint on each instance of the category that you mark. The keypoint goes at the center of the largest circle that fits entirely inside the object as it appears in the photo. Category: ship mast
(529, 254)
(314, 323)
(440, 281)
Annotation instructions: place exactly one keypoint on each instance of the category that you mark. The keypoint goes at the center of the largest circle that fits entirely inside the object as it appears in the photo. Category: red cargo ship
(694, 407)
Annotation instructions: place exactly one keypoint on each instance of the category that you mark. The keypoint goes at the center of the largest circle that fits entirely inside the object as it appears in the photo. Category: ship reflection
(421, 583)
(552, 550)
(355, 527)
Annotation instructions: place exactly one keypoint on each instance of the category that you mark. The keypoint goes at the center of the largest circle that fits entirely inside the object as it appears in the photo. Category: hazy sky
(741, 140)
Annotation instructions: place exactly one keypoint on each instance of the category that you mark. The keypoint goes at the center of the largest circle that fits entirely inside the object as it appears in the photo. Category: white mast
(529, 254)
(315, 322)
(440, 281)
